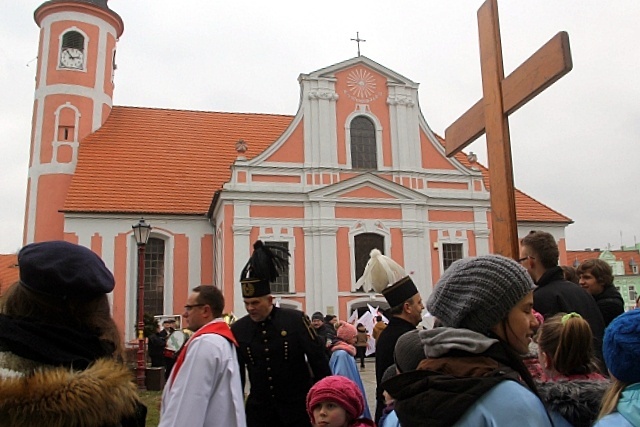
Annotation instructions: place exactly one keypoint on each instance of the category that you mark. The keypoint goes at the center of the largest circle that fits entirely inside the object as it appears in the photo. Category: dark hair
(600, 269)
(569, 344)
(211, 296)
(514, 360)
(398, 309)
(569, 273)
(544, 247)
(94, 314)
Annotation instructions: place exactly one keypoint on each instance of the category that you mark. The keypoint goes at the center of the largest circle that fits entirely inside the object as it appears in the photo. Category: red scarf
(220, 328)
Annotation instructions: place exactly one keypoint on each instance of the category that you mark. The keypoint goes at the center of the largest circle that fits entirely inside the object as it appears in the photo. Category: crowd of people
(514, 343)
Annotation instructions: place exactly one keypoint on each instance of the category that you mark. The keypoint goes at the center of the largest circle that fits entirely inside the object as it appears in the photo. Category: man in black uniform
(272, 345)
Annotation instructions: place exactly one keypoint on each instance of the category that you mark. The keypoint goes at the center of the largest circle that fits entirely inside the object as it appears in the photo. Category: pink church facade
(357, 167)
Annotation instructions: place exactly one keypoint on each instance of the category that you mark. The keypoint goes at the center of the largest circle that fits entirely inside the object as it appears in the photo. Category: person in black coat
(278, 347)
(539, 254)
(404, 315)
(596, 277)
(155, 348)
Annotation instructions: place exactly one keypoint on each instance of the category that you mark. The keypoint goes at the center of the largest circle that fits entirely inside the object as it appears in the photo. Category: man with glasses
(204, 388)
(539, 254)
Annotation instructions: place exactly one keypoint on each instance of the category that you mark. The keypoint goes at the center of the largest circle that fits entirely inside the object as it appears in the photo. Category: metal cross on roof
(358, 40)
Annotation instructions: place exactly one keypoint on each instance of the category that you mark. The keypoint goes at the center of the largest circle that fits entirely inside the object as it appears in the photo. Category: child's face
(329, 414)
(387, 398)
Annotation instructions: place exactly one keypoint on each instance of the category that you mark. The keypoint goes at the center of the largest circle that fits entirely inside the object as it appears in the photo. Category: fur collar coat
(36, 395)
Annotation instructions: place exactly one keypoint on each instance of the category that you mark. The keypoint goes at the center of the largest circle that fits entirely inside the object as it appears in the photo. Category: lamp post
(141, 231)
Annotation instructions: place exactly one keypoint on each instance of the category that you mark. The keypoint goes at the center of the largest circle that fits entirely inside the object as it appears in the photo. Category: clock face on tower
(72, 58)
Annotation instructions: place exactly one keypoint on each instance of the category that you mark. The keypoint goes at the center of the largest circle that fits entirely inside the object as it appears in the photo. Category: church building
(356, 168)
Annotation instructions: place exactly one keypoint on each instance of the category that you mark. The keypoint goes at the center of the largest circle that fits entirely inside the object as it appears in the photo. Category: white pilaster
(320, 126)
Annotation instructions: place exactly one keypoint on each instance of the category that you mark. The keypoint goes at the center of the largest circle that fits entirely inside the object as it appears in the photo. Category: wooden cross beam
(502, 97)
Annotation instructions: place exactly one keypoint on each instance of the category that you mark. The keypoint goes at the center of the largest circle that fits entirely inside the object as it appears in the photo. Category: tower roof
(101, 5)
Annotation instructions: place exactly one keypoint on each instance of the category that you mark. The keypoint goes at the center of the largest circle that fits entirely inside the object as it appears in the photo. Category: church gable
(356, 116)
(368, 187)
(366, 192)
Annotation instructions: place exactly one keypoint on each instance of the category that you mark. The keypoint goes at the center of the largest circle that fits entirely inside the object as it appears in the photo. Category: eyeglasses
(189, 307)
(525, 258)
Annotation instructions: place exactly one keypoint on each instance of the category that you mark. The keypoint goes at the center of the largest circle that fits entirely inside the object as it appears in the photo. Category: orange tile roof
(154, 160)
(9, 273)
(624, 256)
(527, 208)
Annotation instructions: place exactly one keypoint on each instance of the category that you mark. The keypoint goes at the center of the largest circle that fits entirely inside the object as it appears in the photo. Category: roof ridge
(133, 107)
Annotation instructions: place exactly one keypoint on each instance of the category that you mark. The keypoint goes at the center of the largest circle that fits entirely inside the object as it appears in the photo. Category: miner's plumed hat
(386, 276)
(264, 266)
(64, 270)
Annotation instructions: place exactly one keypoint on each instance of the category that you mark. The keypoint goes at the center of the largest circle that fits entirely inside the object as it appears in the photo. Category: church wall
(109, 45)
(300, 278)
(292, 151)
(397, 247)
(206, 259)
(47, 220)
(344, 260)
(181, 284)
(431, 157)
(368, 213)
(119, 264)
(471, 238)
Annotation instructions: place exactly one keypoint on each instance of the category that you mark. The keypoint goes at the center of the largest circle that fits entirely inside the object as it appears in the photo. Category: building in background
(356, 168)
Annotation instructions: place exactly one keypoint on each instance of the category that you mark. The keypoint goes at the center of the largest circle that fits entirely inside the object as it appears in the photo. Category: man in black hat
(326, 333)
(278, 347)
(404, 315)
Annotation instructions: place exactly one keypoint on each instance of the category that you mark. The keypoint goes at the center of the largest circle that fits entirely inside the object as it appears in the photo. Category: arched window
(363, 244)
(363, 144)
(154, 277)
(73, 39)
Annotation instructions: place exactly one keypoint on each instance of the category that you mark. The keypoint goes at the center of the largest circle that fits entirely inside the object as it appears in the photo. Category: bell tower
(73, 98)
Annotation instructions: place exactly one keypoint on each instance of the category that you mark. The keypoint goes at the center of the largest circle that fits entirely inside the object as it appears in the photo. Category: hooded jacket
(578, 401)
(627, 412)
(101, 395)
(464, 381)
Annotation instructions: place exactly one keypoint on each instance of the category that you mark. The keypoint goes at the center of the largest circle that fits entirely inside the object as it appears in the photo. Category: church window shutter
(364, 243)
(451, 252)
(363, 144)
(154, 267)
(73, 39)
(281, 284)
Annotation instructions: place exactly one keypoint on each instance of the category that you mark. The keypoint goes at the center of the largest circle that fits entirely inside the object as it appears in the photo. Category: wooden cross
(501, 97)
(358, 40)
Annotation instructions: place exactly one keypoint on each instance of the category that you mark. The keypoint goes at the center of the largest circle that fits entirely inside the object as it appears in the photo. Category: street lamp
(141, 231)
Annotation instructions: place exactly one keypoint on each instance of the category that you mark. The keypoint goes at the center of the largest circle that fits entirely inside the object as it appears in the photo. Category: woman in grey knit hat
(473, 374)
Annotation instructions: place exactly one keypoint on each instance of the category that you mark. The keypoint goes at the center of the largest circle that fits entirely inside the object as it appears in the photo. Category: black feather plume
(266, 262)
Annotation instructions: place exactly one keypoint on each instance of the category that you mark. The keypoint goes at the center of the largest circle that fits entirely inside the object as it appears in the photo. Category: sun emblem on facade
(361, 83)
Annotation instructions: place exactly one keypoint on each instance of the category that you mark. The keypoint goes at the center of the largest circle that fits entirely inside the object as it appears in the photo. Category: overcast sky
(575, 146)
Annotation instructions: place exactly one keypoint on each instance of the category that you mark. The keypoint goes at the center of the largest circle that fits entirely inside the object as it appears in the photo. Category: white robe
(206, 390)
